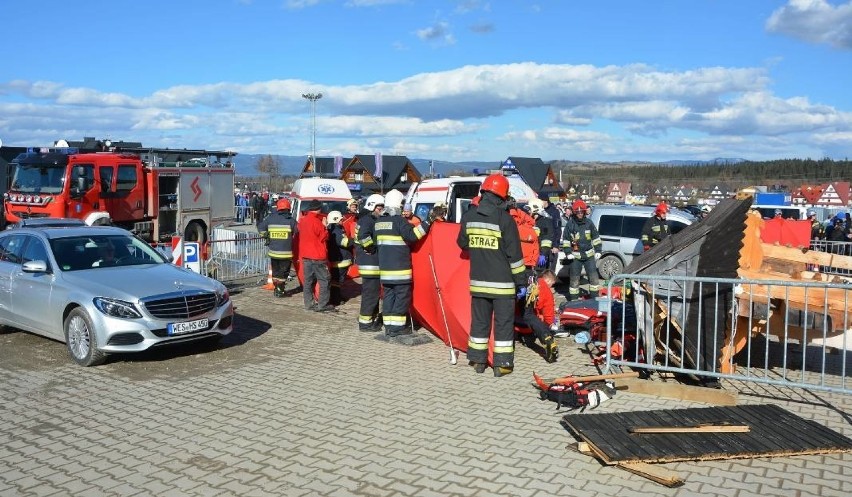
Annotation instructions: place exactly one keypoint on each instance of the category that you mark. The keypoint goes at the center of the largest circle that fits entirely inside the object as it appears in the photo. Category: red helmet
(579, 205)
(662, 208)
(496, 184)
(283, 204)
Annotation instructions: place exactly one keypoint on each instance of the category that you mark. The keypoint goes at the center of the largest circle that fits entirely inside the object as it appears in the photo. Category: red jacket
(544, 303)
(312, 236)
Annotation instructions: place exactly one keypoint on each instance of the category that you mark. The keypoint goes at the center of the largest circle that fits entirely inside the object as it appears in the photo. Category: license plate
(187, 326)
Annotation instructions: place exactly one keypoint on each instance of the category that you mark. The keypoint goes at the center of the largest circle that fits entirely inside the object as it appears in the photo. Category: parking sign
(191, 259)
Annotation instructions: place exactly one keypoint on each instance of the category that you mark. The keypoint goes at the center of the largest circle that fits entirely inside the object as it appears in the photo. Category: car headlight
(222, 297)
(116, 308)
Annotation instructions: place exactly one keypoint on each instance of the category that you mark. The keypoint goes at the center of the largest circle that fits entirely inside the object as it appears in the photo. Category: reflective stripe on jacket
(393, 234)
(581, 238)
(489, 234)
(368, 262)
(279, 229)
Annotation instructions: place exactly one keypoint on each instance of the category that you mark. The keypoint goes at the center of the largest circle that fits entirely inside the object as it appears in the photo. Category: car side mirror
(35, 267)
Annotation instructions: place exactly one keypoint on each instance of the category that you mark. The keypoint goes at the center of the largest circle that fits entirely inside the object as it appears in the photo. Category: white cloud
(438, 32)
(300, 4)
(373, 3)
(815, 21)
(546, 102)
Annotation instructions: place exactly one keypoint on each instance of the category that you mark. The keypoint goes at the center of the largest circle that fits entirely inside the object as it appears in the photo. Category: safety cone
(269, 285)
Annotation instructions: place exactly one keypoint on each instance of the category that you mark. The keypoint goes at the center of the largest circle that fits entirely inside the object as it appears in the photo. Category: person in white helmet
(394, 233)
(367, 258)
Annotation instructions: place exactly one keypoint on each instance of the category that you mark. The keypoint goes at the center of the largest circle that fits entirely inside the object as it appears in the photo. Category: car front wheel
(80, 339)
(609, 266)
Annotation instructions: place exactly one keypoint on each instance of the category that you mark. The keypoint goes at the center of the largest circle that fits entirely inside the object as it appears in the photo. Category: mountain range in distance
(292, 165)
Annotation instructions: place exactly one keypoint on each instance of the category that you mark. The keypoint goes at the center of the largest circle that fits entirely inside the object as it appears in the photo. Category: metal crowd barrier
(791, 334)
(237, 256)
(840, 248)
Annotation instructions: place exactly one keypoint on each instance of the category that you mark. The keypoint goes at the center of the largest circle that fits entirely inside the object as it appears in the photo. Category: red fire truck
(135, 189)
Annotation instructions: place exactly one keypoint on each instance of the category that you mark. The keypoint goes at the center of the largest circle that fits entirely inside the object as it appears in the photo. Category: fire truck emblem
(195, 189)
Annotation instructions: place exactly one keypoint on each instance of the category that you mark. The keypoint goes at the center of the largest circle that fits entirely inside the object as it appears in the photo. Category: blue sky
(454, 80)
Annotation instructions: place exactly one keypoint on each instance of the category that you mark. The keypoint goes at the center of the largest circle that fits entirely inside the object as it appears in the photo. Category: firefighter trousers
(483, 312)
(280, 270)
(370, 288)
(396, 301)
(574, 272)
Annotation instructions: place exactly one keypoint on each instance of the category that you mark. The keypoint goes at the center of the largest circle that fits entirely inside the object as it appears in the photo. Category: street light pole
(313, 97)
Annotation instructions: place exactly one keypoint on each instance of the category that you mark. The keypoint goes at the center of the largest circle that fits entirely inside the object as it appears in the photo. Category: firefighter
(339, 255)
(656, 228)
(278, 230)
(555, 231)
(543, 228)
(490, 237)
(313, 255)
(350, 218)
(367, 258)
(393, 234)
(582, 246)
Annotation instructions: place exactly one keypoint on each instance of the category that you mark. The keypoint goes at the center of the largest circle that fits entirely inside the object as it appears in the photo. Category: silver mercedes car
(100, 290)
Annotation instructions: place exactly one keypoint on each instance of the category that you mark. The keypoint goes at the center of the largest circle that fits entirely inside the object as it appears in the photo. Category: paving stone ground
(294, 403)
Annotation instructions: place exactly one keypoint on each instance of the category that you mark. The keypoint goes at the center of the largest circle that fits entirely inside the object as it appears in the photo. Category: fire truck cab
(156, 201)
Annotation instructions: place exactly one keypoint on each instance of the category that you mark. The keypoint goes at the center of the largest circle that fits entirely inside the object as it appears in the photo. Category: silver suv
(620, 228)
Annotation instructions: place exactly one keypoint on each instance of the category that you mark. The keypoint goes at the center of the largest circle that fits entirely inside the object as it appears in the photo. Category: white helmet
(334, 217)
(536, 206)
(394, 199)
(373, 201)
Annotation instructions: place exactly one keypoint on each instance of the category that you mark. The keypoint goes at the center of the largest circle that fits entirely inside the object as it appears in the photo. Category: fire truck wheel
(194, 233)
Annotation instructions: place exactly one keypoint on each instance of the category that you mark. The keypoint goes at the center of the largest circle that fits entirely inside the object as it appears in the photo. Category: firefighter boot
(502, 371)
(551, 350)
(479, 367)
(279, 291)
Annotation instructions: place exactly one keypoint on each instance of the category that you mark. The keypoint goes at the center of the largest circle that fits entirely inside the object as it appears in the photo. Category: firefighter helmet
(535, 206)
(662, 208)
(394, 199)
(334, 217)
(374, 201)
(579, 205)
(283, 204)
(496, 184)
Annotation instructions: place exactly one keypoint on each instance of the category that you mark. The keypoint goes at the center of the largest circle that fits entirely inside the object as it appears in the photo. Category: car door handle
(609, 239)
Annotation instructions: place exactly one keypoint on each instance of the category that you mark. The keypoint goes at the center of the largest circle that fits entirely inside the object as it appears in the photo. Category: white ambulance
(332, 193)
(457, 192)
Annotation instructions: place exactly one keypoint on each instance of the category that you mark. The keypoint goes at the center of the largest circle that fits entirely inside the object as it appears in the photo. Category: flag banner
(379, 166)
(338, 164)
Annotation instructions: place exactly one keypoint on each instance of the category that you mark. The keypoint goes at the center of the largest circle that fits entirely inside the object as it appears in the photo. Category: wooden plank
(673, 390)
(690, 429)
(807, 257)
(654, 473)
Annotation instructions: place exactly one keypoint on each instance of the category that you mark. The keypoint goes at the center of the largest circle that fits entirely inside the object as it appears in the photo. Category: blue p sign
(190, 252)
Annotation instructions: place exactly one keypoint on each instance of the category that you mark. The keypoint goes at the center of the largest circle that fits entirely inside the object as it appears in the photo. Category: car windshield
(37, 178)
(99, 251)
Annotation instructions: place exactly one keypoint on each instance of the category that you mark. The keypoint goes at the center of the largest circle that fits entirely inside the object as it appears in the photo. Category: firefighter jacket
(366, 250)
(555, 233)
(393, 234)
(490, 236)
(278, 228)
(581, 238)
(544, 228)
(528, 236)
(654, 231)
(339, 247)
(313, 237)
